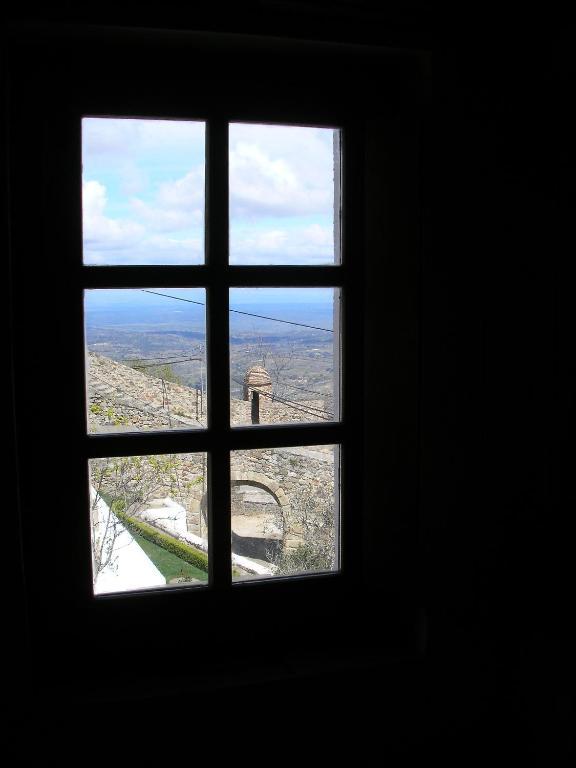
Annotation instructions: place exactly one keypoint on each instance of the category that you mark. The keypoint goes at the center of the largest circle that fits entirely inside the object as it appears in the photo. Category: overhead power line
(296, 407)
(256, 353)
(302, 389)
(150, 359)
(294, 403)
(169, 362)
(240, 312)
(308, 410)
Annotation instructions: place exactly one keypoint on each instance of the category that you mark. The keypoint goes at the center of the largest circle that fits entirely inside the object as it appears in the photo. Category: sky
(162, 306)
(248, 298)
(143, 193)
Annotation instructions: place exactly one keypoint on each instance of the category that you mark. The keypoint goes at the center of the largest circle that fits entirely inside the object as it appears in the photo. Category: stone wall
(288, 475)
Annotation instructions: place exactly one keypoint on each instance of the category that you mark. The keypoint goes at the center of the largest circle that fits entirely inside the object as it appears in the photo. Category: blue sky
(239, 297)
(305, 305)
(143, 193)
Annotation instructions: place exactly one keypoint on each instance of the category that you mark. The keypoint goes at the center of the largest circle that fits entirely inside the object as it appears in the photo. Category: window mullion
(218, 373)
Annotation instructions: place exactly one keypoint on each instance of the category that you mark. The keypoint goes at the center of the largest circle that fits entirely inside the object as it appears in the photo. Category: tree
(161, 371)
(124, 486)
(311, 519)
(261, 349)
(276, 362)
(167, 373)
(281, 362)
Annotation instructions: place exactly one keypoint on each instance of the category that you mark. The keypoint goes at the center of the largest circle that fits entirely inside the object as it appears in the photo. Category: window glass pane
(285, 511)
(148, 522)
(284, 355)
(145, 359)
(284, 194)
(142, 191)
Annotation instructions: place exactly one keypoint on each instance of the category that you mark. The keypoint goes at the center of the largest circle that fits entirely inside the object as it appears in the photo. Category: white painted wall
(130, 568)
(170, 516)
(167, 514)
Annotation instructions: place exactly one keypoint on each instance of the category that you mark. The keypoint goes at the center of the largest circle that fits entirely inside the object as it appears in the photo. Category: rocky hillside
(122, 399)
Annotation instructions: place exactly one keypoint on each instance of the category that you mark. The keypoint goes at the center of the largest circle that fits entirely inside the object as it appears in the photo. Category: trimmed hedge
(184, 551)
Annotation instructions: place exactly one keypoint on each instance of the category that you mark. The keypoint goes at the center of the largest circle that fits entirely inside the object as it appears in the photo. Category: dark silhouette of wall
(496, 417)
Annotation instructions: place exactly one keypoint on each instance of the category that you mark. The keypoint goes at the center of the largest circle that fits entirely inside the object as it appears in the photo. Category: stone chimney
(257, 378)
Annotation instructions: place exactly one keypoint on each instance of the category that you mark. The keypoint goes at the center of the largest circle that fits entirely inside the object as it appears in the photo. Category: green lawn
(170, 566)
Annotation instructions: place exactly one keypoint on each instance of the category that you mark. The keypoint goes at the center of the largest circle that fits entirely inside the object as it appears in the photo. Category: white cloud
(143, 199)
(177, 205)
(126, 136)
(158, 219)
(184, 193)
(307, 245)
(133, 180)
(125, 241)
(98, 228)
(272, 241)
(109, 137)
(318, 235)
(280, 170)
(281, 181)
(184, 246)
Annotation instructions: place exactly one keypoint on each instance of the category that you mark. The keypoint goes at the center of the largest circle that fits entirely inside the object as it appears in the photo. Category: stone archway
(258, 533)
(261, 481)
(198, 518)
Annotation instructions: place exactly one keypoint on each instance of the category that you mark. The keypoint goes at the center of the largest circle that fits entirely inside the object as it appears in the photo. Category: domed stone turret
(256, 378)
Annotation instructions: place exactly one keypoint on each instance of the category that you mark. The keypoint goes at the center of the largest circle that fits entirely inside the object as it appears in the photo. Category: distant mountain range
(191, 318)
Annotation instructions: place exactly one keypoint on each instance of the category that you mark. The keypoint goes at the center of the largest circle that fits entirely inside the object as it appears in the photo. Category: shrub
(305, 559)
(184, 551)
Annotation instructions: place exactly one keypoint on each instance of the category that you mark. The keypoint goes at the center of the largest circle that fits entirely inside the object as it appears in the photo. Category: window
(177, 79)
(213, 327)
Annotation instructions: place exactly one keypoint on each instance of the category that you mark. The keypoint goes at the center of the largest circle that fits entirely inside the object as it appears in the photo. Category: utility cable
(170, 362)
(302, 389)
(291, 404)
(297, 407)
(294, 403)
(142, 408)
(239, 312)
(150, 359)
(288, 402)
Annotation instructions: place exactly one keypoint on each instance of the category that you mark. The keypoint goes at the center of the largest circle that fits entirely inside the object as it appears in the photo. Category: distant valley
(155, 339)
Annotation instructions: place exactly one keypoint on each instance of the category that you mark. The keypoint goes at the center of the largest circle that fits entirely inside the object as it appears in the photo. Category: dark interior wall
(495, 373)
(497, 387)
